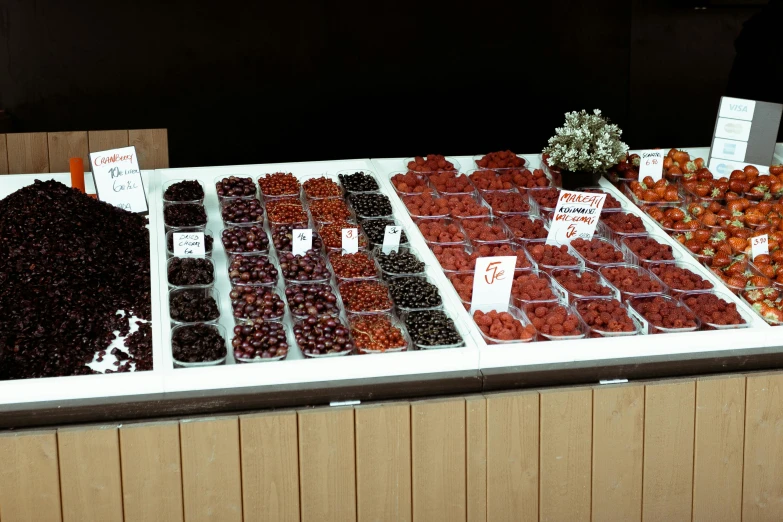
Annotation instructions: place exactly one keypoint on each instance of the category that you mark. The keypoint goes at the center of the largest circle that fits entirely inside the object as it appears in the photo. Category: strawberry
(754, 297)
(773, 315)
(721, 260)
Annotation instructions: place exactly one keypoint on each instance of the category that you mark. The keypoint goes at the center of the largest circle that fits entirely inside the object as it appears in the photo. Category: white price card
(117, 179)
(651, 164)
(391, 239)
(492, 282)
(301, 241)
(576, 215)
(759, 246)
(189, 244)
(350, 240)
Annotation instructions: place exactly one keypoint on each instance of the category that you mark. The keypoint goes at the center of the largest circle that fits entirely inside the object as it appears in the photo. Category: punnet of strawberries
(655, 191)
(767, 302)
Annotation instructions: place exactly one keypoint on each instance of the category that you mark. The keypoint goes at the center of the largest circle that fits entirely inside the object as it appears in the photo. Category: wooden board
(66, 145)
(718, 449)
(438, 451)
(762, 498)
(668, 451)
(618, 445)
(327, 470)
(565, 455)
(29, 477)
(91, 482)
(476, 458)
(28, 153)
(512, 457)
(270, 467)
(152, 147)
(107, 139)
(383, 462)
(151, 472)
(3, 154)
(211, 481)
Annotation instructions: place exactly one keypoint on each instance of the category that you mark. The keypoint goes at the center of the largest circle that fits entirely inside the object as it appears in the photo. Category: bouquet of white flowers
(586, 143)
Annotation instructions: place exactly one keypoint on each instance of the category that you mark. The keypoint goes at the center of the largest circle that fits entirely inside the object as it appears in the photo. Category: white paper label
(301, 241)
(576, 215)
(189, 244)
(118, 178)
(729, 149)
(732, 129)
(644, 322)
(351, 240)
(737, 108)
(391, 239)
(759, 245)
(492, 282)
(651, 164)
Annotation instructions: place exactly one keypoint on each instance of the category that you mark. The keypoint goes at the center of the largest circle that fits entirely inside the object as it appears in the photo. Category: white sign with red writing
(350, 240)
(759, 245)
(492, 282)
(117, 178)
(576, 215)
(651, 164)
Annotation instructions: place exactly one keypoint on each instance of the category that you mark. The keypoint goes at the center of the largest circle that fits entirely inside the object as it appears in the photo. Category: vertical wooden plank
(512, 457)
(28, 153)
(618, 445)
(107, 139)
(762, 498)
(152, 147)
(383, 462)
(565, 454)
(668, 451)
(91, 481)
(270, 467)
(66, 145)
(718, 450)
(476, 440)
(438, 451)
(327, 465)
(29, 477)
(211, 481)
(3, 154)
(151, 472)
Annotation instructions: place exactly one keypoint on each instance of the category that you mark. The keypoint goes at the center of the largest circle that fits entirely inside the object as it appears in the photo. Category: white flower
(587, 142)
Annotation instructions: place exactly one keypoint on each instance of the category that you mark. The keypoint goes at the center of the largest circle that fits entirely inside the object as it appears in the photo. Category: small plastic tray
(488, 221)
(299, 316)
(424, 185)
(305, 197)
(594, 264)
(285, 195)
(593, 331)
(640, 202)
(654, 267)
(727, 297)
(646, 327)
(403, 250)
(407, 199)
(350, 172)
(207, 291)
(642, 272)
(535, 207)
(199, 227)
(445, 221)
(334, 254)
(521, 239)
(420, 346)
(393, 321)
(321, 219)
(361, 216)
(488, 197)
(389, 222)
(548, 268)
(469, 189)
(244, 360)
(222, 199)
(266, 290)
(205, 285)
(272, 259)
(477, 157)
(566, 296)
(522, 303)
(341, 289)
(637, 259)
(203, 364)
(551, 337)
(402, 309)
(617, 236)
(453, 161)
(325, 355)
(750, 271)
(519, 316)
(171, 182)
(205, 231)
(261, 230)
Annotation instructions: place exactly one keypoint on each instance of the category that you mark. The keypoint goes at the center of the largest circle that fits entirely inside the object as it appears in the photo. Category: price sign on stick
(350, 240)
(576, 215)
(189, 244)
(117, 179)
(759, 245)
(492, 282)
(302, 241)
(391, 239)
(651, 164)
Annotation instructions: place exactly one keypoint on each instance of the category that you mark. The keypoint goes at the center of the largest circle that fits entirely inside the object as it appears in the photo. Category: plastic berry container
(319, 324)
(408, 183)
(493, 160)
(197, 220)
(235, 190)
(604, 291)
(328, 302)
(482, 230)
(358, 181)
(206, 263)
(261, 246)
(419, 164)
(550, 319)
(543, 201)
(380, 209)
(642, 250)
(505, 202)
(486, 179)
(647, 311)
(321, 187)
(522, 294)
(518, 317)
(766, 302)
(432, 289)
(375, 230)
(279, 184)
(583, 307)
(209, 243)
(362, 334)
(314, 255)
(448, 237)
(378, 302)
(250, 311)
(381, 258)
(227, 207)
(608, 246)
(330, 210)
(340, 262)
(167, 199)
(332, 236)
(495, 249)
(451, 183)
(619, 225)
(464, 207)
(202, 364)
(654, 285)
(426, 206)
(276, 328)
(206, 292)
(455, 258)
(285, 210)
(744, 277)
(710, 323)
(611, 203)
(689, 222)
(533, 247)
(661, 203)
(679, 277)
(526, 228)
(411, 319)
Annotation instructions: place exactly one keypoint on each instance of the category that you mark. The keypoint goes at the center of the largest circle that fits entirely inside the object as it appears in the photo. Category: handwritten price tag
(651, 164)
(189, 244)
(391, 239)
(117, 179)
(302, 241)
(576, 215)
(492, 282)
(350, 240)
(759, 245)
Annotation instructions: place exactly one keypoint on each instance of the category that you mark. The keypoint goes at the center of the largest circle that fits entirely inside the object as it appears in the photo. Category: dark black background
(253, 82)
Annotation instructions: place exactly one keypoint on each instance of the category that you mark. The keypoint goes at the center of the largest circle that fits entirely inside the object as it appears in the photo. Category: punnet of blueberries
(430, 328)
(197, 343)
(414, 292)
(186, 190)
(399, 262)
(358, 182)
(375, 229)
(372, 204)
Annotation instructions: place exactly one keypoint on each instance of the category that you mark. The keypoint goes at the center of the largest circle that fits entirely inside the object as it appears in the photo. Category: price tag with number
(302, 241)
(391, 239)
(350, 240)
(759, 245)
(188, 243)
(651, 164)
(492, 282)
(576, 215)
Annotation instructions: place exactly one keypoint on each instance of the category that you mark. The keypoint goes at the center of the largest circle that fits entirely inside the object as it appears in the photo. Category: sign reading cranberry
(117, 178)
(492, 283)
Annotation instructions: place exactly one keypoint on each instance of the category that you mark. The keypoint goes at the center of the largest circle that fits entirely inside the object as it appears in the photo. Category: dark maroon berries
(191, 306)
(235, 187)
(256, 303)
(322, 336)
(251, 270)
(187, 190)
(197, 343)
(185, 215)
(315, 300)
(190, 271)
(245, 239)
(263, 340)
(309, 267)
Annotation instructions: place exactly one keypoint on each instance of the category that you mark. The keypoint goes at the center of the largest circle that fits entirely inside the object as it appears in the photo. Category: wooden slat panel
(66, 145)
(107, 139)
(211, 481)
(327, 472)
(565, 455)
(512, 457)
(762, 498)
(383, 462)
(476, 418)
(3, 154)
(29, 477)
(668, 451)
(270, 467)
(151, 472)
(438, 435)
(718, 451)
(618, 445)
(91, 481)
(28, 153)
(152, 146)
